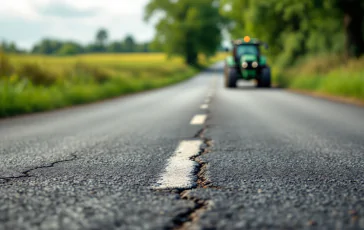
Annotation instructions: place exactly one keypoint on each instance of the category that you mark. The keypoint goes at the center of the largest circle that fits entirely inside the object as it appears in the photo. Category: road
(190, 156)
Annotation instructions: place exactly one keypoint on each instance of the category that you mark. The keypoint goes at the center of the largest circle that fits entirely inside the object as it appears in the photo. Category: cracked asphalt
(276, 160)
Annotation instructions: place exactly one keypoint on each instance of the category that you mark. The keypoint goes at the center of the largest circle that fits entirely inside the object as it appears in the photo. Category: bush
(36, 74)
(6, 69)
(99, 75)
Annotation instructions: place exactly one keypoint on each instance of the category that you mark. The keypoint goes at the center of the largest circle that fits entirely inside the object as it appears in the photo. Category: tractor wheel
(265, 78)
(231, 77)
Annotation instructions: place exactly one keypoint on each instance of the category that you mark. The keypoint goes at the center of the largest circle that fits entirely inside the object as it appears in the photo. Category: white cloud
(28, 21)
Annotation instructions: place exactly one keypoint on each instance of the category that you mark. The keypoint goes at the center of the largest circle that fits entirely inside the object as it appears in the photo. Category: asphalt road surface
(190, 156)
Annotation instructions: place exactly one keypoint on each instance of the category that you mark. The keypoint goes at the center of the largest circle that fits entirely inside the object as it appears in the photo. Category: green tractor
(247, 63)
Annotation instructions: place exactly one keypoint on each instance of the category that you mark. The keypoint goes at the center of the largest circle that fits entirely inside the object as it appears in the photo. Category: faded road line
(180, 167)
(198, 119)
(204, 106)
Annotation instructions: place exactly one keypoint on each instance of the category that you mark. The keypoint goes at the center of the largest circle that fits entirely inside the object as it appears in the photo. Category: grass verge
(38, 83)
(326, 76)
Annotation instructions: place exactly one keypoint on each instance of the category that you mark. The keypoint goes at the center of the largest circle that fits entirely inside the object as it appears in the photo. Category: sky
(28, 21)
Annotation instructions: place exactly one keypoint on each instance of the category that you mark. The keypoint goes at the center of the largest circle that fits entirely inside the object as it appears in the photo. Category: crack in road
(200, 132)
(26, 173)
(188, 219)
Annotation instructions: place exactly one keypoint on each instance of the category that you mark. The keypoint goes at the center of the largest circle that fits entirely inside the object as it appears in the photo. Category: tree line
(101, 44)
(292, 28)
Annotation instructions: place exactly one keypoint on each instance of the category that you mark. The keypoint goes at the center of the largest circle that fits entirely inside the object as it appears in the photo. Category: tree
(70, 48)
(13, 48)
(353, 15)
(10, 47)
(129, 44)
(47, 46)
(187, 27)
(101, 37)
(67, 49)
(145, 47)
(115, 47)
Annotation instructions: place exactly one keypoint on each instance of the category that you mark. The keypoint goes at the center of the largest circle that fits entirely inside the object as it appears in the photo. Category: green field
(30, 83)
(327, 76)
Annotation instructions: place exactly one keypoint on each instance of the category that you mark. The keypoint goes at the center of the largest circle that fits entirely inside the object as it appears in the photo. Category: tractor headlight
(245, 65)
(255, 64)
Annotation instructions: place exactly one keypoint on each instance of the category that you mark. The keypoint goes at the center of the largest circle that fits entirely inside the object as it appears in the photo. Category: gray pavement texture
(276, 160)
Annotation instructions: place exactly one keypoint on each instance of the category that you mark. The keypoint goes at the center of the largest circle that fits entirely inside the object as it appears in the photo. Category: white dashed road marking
(180, 167)
(198, 119)
(179, 172)
(204, 106)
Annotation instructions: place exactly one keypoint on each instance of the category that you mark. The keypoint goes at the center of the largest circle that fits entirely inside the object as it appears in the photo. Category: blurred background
(58, 53)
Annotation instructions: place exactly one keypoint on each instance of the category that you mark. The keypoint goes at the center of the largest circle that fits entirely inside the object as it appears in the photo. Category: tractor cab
(247, 63)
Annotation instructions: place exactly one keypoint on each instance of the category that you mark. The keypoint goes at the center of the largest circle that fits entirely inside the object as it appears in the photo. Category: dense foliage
(186, 27)
(294, 28)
